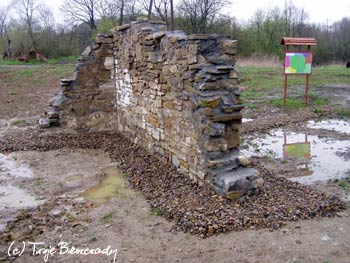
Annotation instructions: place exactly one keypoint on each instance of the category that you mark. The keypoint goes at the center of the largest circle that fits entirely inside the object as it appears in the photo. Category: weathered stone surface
(231, 109)
(52, 113)
(232, 139)
(44, 122)
(109, 63)
(121, 28)
(237, 183)
(243, 160)
(198, 37)
(222, 60)
(215, 145)
(230, 46)
(210, 102)
(233, 74)
(65, 82)
(58, 100)
(155, 36)
(104, 39)
(226, 117)
(87, 51)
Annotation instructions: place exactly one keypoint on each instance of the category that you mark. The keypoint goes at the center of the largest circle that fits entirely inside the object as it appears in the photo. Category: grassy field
(51, 61)
(27, 75)
(25, 89)
(263, 86)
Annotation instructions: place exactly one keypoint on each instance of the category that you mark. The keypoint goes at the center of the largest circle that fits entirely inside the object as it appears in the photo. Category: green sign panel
(298, 63)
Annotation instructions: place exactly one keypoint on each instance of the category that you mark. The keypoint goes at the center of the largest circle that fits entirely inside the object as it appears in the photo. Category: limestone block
(87, 51)
(168, 105)
(109, 63)
(231, 109)
(58, 99)
(233, 74)
(207, 112)
(226, 117)
(44, 122)
(210, 102)
(238, 182)
(221, 84)
(213, 129)
(198, 37)
(174, 160)
(212, 145)
(120, 28)
(223, 59)
(52, 113)
(229, 46)
(232, 138)
(155, 36)
(101, 38)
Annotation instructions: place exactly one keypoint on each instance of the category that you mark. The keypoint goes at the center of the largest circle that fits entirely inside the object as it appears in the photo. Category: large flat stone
(57, 100)
(238, 182)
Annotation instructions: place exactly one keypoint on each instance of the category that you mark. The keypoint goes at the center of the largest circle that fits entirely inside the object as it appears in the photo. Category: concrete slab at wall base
(173, 94)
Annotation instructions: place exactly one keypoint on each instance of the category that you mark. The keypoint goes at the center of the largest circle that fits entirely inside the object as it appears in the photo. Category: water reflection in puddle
(321, 158)
(113, 184)
(331, 125)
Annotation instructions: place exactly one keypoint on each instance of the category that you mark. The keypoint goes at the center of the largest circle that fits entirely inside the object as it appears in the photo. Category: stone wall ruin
(174, 94)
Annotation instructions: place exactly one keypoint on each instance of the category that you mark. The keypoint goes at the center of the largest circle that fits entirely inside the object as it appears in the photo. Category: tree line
(33, 26)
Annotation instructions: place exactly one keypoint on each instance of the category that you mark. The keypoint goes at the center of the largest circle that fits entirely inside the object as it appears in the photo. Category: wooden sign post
(297, 62)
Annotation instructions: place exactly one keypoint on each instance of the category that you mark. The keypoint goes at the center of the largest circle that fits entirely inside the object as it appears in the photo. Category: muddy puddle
(73, 177)
(13, 198)
(316, 158)
(331, 125)
(113, 184)
(11, 166)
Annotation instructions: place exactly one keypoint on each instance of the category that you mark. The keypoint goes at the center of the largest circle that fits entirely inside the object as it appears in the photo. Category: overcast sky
(319, 11)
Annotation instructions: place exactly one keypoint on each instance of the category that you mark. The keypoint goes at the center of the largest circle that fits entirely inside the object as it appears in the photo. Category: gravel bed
(192, 208)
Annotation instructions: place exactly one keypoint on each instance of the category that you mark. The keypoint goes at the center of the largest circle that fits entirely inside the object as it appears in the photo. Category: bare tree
(150, 9)
(294, 19)
(108, 8)
(133, 9)
(161, 7)
(3, 20)
(121, 17)
(45, 16)
(81, 11)
(341, 39)
(172, 22)
(29, 10)
(201, 13)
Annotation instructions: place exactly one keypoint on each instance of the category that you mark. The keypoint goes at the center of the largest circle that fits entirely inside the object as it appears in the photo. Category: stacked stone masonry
(174, 94)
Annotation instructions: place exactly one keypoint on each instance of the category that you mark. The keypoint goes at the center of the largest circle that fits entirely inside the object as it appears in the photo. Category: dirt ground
(126, 222)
